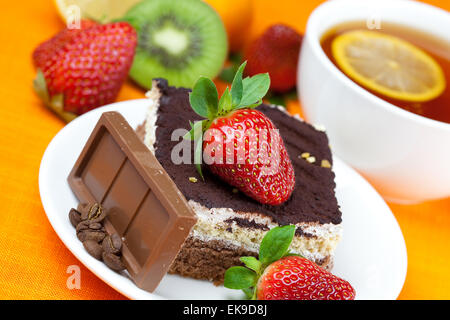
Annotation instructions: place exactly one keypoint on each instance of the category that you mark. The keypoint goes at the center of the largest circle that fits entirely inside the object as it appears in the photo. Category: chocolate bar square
(143, 204)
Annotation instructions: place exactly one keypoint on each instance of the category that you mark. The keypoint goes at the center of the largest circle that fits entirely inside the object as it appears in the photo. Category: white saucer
(371, 256)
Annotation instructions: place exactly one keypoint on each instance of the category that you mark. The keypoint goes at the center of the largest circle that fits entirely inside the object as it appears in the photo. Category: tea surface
(436, 109)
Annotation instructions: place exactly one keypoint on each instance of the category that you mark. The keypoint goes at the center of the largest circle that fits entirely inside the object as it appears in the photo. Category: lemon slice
(99, 10)
(388, 65)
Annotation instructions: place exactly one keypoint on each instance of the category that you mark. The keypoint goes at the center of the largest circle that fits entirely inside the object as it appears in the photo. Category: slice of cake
(230, 224)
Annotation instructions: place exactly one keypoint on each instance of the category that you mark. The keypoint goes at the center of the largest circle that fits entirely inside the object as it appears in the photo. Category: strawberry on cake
(237, 195)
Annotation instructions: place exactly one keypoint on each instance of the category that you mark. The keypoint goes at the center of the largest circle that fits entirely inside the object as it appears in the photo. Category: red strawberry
(241, 145)
(44, 52)
(276, 52)
(296, 278)
(278, 274)
(81, 70)
(266, 176)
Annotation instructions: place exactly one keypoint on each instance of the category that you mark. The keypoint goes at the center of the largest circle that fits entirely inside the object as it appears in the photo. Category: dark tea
(437, 108)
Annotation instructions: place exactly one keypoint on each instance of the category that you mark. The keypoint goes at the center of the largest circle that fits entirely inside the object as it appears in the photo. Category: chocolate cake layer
(210, 259)
(313, 199)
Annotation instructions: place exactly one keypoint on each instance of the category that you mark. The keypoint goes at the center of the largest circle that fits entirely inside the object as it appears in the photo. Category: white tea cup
(404, 155)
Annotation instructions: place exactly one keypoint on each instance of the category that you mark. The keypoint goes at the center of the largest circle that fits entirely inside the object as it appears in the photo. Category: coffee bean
(81, 236)
(90, 231)
(83, 225)
(100, 218)
(96, 213)
(116, 241)
(84, 214)
(112, 244)
(95, 226)
(96, 236)
(93, 248)
(112, 261)
(74, 217)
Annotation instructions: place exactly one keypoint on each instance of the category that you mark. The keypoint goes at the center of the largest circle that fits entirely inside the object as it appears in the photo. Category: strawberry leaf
(275, 244)
(249, 292)
(255, 88)
(239, 278)
(237, 87)
(225, 103)
(204, 98)
(252, 106)
(252, 263)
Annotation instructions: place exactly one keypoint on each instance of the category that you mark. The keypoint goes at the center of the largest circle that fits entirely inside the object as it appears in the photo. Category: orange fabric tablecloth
(34, 261)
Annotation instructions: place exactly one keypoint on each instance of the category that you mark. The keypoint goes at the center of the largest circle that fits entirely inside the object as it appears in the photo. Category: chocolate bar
(143, 204)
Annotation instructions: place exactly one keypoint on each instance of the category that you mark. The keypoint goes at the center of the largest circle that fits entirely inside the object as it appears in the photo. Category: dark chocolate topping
(313, 199)
(249, 224)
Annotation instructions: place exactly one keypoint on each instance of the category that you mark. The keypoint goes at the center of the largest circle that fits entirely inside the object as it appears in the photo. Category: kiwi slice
(179, 40)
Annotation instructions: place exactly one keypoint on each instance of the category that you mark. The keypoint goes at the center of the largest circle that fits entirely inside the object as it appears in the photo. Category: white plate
(371, 256)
